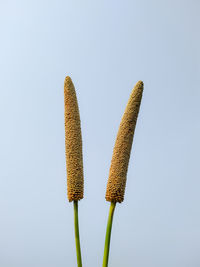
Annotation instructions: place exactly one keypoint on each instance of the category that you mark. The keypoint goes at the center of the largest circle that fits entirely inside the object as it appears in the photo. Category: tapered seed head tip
(139, 85)
(68, 79)
(68, 82)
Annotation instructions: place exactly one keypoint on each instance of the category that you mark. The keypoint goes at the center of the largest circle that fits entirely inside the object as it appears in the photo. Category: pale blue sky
(106, 47)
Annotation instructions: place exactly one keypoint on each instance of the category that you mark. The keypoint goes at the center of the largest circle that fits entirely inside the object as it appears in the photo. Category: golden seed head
(73, 143)
(122, 149)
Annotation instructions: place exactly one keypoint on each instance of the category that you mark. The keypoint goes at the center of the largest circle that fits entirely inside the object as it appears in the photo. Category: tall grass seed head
(73, 143)
(122, 149)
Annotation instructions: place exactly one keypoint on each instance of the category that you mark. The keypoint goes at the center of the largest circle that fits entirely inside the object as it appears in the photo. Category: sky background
(106, 47)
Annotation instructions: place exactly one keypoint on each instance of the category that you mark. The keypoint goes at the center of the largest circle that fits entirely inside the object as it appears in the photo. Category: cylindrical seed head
(121, 152)
(73, 143)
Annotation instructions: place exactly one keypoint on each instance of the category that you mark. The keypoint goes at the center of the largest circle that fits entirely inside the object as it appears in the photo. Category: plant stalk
(108, 234)
(77, 239)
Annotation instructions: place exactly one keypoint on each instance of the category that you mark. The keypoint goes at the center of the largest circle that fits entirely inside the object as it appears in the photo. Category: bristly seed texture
(121, 152)
(73, 143)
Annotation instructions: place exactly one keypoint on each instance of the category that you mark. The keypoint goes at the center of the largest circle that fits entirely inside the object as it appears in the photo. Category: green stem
(108, 234)
(76, 227)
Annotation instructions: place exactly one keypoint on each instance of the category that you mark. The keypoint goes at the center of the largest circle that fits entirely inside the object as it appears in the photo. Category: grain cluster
(73, 143)
(121, 152)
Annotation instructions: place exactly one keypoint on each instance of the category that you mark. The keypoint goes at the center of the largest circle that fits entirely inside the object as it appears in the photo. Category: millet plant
(119, 164)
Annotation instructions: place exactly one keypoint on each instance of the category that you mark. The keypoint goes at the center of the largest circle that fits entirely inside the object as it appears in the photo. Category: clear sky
(106, 47)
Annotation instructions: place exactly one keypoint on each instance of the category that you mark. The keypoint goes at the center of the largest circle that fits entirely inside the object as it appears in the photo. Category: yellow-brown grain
(73, 143)
(121, 152)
